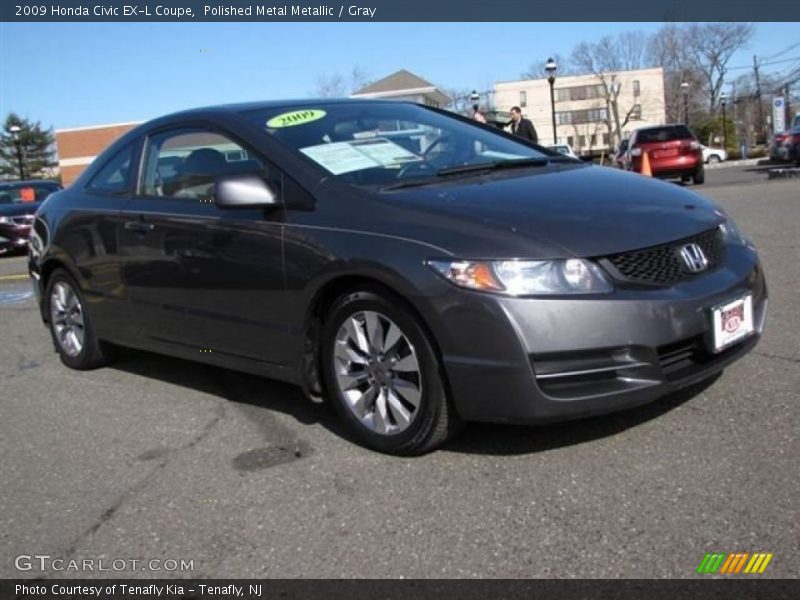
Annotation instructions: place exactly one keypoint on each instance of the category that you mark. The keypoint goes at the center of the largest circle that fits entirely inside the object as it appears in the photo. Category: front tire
(70, 326)
(383, 376)
(713, 159)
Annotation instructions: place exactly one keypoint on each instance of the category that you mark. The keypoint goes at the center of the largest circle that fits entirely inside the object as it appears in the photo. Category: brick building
(78, 146)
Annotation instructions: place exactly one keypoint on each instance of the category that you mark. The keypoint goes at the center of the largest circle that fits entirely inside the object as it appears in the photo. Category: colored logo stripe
(758, 563)
(720, 562)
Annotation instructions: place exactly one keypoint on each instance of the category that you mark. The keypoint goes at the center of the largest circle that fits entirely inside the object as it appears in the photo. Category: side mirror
(244, 191)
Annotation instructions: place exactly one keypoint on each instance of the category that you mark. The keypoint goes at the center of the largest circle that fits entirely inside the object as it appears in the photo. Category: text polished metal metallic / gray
(412, 267)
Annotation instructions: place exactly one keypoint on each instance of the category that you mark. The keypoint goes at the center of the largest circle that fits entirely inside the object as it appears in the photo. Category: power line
(792, 47)
(764, 64)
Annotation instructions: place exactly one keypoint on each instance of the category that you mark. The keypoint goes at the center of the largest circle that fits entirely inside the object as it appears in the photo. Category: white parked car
(564, 149)
(714, 155)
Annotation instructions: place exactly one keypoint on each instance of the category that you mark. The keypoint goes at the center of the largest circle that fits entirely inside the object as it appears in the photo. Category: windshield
(375, 144)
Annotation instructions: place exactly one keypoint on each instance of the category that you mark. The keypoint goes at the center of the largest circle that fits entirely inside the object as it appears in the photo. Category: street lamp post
(685, 90)
(474, 99)
(15, 131)
(723, 100)
(550, 70)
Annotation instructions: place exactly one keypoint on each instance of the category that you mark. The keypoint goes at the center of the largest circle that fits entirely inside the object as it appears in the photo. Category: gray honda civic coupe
(414, 268)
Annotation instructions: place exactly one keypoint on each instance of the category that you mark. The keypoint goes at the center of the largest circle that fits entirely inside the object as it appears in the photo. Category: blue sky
(74, 74)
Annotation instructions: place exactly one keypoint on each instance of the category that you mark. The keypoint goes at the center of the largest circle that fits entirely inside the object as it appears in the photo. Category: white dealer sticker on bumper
(732, 322)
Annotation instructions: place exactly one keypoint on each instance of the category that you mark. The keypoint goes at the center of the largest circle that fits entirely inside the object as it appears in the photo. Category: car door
(199, 276)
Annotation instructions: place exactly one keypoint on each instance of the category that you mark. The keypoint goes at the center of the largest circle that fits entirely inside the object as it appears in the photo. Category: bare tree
(459, 100)
(667, 48)
(605, 59)
(711, 46)
(536, 70)
(336, 85)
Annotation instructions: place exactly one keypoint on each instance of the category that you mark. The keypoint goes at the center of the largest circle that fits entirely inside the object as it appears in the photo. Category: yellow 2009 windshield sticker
(296, 117)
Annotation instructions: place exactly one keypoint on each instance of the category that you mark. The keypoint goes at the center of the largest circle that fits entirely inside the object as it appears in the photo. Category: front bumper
(526, 360)
(17, 235)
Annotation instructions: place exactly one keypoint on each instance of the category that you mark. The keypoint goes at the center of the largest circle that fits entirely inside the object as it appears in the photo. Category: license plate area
(732, 322)
(665, 153)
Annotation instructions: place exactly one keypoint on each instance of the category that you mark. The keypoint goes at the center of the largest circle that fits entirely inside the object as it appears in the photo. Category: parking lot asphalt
(159, 458)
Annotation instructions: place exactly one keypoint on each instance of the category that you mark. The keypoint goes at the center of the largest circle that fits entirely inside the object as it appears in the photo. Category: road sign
(779, 115)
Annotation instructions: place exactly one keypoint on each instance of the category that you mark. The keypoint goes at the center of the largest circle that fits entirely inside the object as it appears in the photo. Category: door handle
(140, 226)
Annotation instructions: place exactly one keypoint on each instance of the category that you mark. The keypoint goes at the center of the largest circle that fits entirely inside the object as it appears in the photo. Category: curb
(739, 163)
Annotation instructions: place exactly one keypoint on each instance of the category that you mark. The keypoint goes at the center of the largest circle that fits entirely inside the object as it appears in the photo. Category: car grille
(22, 220)
(663, 265)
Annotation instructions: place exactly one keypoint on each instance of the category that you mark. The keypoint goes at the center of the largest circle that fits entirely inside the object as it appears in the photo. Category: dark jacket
(525, 130)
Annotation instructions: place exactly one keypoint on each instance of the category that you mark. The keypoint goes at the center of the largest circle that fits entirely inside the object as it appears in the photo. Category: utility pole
(758, 97)
(786, 104)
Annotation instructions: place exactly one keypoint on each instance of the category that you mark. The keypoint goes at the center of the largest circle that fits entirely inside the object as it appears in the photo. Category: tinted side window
(186, 163)
(116, 176)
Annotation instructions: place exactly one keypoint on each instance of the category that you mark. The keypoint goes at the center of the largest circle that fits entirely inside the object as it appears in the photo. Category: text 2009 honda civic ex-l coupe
(413, 267)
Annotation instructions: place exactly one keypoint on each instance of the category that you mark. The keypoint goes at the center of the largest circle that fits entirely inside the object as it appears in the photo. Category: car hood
(554, 212)
(18, 208)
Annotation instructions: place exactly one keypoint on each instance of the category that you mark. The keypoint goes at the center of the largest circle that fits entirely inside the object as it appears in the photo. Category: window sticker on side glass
(345, 157)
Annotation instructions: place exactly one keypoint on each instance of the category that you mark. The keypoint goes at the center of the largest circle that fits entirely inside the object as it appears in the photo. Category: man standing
(522, 127)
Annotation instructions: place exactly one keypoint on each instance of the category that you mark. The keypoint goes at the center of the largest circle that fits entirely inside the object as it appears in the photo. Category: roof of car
(271, 104)
(660, 126)
(27, 182)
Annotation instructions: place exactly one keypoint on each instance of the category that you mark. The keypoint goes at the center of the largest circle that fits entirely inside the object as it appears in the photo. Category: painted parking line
(14, 277)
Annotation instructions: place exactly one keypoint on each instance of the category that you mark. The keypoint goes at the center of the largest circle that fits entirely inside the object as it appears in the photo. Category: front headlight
(5, 220)
(731, 234)
(526, 277)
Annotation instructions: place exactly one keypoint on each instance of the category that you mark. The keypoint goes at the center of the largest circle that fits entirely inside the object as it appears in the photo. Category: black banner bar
(398, 10)
(741, 588)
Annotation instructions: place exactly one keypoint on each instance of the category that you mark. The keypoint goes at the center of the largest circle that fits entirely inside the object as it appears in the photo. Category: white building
(581, 107)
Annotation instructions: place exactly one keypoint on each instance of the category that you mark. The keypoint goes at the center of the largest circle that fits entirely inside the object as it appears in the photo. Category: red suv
(673, 150)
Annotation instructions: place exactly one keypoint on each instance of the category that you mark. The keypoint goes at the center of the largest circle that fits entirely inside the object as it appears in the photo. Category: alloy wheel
(66, 316)
(377, 372)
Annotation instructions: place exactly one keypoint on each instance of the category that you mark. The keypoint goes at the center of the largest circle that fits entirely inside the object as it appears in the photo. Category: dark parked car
(792, 143)
(413, 268)
(18, 203)
(778, 148)
(673, 152)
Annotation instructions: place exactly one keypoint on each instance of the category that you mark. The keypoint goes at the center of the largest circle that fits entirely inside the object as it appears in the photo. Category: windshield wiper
(487, 166)
(498, 164)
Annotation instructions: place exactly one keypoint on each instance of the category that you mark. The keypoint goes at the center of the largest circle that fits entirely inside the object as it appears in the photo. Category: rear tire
(713, 159)
(699, 176)
(383, 376)
(71, 327)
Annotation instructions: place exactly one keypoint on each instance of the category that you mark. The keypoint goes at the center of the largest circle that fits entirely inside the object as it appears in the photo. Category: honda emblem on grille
(694, 257)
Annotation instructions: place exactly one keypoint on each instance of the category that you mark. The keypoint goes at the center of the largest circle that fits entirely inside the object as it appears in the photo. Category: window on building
(523, 99)
(579, 92)
(636, 113)
(570, 140)
(605, 139)
(583, 141)
(636, 90)
(594, 140)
